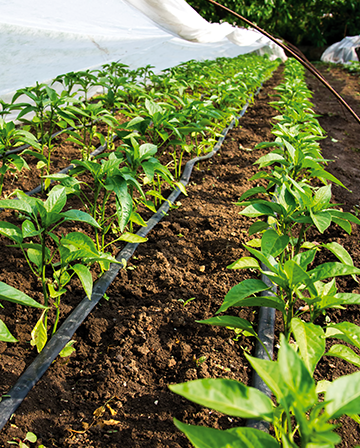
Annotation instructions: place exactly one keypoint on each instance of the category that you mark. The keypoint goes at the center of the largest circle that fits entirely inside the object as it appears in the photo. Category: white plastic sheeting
(40, 39)
(342, 52)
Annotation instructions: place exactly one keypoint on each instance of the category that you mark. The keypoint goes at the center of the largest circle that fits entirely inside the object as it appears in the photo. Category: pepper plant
(89, 116)
(304, 411)
(43, 249)
(108, 181)
(289, 204)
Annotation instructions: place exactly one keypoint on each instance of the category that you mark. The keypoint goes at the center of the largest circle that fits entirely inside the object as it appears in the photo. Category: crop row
(293, 201)
(179, 111)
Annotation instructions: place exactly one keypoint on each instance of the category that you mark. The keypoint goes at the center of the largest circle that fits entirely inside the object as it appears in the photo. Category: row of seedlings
(292, 204)
(113, 186)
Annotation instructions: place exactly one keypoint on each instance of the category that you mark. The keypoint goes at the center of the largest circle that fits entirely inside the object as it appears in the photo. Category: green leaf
(78, 215)
(36, 155)
(252, 191)
(258, 226)
(230, 321)
(345, 353)
(268, 261)
(332, 269)
(345, 331)
(297, 276)
(252, 438)
(322, 198)
(244, 289)
(227, 396)
(14, 295)
(39, 334)
(348, 298)
(124, 205)
(323, 174)
(341, 253)
(343, 215)
(272, 243)
(269, 372)
(35, 256)
(14, 204)
(5, 335)
(244, 263)
(132, 238)
(322, 220)
(269, 159)
(297, 377)
(256, 242)
(303, 259)
(56, 200)
(55, 293)
(203, 437)
(345, 225)
(322, 386)
(68, 349)
(343, 396)
(310, 339)
(147, 150)
(29, 230)
(181, 187)
(79, 241)
(255, 210)
(152, 107)
(11, 231)
(84, 274)
(267, 301)
(137, 219)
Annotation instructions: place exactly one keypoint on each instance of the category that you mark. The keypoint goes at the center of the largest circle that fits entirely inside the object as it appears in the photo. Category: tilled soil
(113, 391)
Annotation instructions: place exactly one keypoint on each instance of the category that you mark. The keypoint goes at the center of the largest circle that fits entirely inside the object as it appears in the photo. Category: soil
(113, 391)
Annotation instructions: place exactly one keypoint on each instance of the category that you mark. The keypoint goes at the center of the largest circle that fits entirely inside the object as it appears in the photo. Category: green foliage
(10, 294)
(299, 411)
(289, 204)
(315, 22)
(75, 252)
(182, 109)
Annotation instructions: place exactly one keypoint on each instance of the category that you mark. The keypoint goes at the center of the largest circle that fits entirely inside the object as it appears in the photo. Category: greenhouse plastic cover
(342, 52)
(40, 39)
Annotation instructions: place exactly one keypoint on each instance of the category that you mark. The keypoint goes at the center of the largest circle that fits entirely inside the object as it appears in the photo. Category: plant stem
(43, 275)
(300, 238)
(57, 304)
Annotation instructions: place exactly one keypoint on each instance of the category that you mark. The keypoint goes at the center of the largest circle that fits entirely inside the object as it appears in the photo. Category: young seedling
(30, 437)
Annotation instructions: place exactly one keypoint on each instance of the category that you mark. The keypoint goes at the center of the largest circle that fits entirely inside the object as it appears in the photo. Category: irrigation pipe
(265, 332)
(22, 147)
(64, 334)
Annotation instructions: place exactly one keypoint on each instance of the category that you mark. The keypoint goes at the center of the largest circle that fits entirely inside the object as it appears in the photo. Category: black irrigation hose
(22, 147)
(266, 334)
(64, 334)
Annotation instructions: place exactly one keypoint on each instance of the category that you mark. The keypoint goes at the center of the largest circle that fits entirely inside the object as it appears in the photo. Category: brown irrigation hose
(294, 54)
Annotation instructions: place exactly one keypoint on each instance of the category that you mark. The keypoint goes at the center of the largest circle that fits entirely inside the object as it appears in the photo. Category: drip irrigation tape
(266, 334)
(22, 147)
(64, 334)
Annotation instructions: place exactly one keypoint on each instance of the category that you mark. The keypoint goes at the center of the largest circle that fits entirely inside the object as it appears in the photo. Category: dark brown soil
(114, 390)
